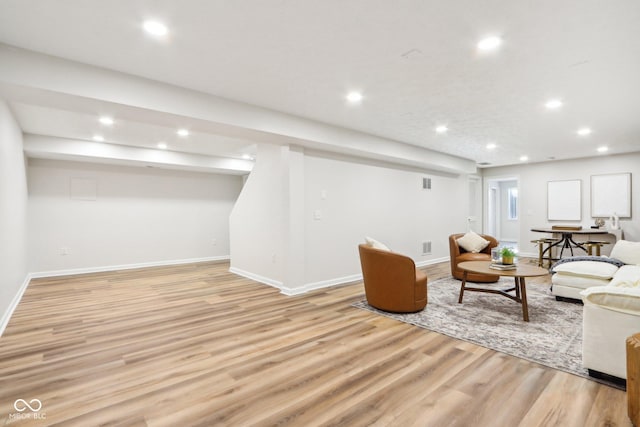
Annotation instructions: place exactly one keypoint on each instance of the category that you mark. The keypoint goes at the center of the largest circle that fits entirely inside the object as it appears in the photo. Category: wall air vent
(426, 247)
(426, 183)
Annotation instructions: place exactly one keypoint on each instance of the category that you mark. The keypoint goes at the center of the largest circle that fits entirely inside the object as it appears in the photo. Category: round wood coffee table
(521, 271)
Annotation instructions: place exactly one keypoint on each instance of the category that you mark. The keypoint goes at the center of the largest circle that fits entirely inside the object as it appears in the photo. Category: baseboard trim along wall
(14, 304)
(316, 285)
(256, 277)
(87, 270)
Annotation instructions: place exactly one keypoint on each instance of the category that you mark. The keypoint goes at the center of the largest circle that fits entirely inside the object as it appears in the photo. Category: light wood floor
(196, 345)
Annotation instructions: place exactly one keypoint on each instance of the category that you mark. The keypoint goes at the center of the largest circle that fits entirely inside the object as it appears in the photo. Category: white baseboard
(432, 261)
(256, 277)
(14, 304)
(322, 284)
(102, 269)
(337, 281)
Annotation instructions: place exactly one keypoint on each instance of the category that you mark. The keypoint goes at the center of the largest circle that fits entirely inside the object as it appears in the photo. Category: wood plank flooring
(194, 345)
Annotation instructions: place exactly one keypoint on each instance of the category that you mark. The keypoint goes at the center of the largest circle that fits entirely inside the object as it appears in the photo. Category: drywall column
(257, 221)
(294, 248)
(267, 222)
(13, 215)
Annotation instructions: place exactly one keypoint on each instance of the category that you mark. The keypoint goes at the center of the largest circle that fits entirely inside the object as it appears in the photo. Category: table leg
(464, 281)
(523, 292)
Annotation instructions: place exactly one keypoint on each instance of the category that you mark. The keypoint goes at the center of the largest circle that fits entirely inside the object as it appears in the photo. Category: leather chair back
(391, 281)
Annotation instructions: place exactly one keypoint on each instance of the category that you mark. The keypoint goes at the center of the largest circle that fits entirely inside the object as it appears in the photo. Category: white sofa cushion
(376, 244)
(595, 269)
(472, 242)
(574, 281)
(624, 300)
(628, 276)
(626, 251)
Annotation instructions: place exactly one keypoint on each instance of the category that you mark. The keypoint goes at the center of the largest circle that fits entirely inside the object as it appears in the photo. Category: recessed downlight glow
(247, 157)
(489, 43)
(162, 145)
(524, 158)
(354, 97)
(491, 146)
(553, 104)
(584, 131)
(105, 120)
(442, 129)
(183, 132)
(155, 28)
(603, 149)
(98, 138)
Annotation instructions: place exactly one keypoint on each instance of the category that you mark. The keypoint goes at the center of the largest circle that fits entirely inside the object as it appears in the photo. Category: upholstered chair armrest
(624, 300)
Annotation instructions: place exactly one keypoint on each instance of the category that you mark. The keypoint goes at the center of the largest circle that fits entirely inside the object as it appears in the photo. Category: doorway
(503, 210)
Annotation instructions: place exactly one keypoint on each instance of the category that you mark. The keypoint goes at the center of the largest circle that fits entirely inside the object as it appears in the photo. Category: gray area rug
(552, 337)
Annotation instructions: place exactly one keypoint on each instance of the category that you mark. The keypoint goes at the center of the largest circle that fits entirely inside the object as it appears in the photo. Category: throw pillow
(376, 245)
(472, 242)
(627, 252)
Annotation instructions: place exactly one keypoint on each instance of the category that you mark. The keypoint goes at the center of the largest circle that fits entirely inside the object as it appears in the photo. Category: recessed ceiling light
(603, 149)
(489, 43)
(162, 145)
(108, 121)
(553, 104)
(491, 146)
(524, 158)
(354, 97)
(155, 28)
(583, 131)
(442, 129)
(183, 132)
(98, 138)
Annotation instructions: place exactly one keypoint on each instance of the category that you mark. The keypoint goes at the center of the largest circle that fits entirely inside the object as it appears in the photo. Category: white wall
(139, 216)
(13, 214)
(355, 199)
(257, 223)
(533, 180)
(301, 215)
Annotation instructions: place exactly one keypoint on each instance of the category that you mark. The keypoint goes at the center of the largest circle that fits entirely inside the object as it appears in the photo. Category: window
(512, 197)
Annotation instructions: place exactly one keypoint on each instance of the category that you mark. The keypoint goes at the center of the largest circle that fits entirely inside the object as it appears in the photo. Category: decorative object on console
(599, 222)
(615, 222)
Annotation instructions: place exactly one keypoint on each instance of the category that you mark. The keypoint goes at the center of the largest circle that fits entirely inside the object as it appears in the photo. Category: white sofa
(611, 297)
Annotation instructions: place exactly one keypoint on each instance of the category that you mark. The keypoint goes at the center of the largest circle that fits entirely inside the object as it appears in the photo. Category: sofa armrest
(624, 300)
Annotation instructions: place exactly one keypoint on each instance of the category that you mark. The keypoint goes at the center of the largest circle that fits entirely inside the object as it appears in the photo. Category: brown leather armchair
(458, 255)
(391, 281)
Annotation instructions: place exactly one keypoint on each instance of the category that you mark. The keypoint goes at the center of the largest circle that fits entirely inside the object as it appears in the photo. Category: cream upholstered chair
(458, 254)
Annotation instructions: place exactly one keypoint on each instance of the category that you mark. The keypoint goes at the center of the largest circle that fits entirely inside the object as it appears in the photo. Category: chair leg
(540, 253)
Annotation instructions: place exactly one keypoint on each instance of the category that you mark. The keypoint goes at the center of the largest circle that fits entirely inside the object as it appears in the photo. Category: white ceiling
(415, 62)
